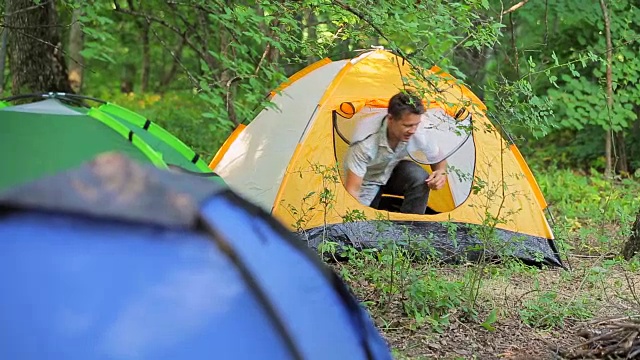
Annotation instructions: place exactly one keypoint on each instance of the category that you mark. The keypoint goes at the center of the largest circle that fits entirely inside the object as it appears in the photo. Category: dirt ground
(612, 294)
(510, 340)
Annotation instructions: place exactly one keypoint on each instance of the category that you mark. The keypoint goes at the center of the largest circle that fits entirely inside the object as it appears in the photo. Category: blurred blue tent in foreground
(120, 260)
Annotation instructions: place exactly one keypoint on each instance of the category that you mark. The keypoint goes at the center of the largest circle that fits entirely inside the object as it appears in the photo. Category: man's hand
(436, 179)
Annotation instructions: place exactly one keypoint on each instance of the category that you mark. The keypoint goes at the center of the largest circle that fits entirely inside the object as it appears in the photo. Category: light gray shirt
(373, 159)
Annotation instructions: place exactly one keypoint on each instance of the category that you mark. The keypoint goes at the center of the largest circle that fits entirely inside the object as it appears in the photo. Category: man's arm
(353, 184)
(438, 176)
(356, 162)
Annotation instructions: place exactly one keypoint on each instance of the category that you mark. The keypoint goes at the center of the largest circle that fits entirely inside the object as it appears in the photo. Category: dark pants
(407, 179)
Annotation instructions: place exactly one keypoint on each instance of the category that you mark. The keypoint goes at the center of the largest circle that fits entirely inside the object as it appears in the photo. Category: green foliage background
(540, 68)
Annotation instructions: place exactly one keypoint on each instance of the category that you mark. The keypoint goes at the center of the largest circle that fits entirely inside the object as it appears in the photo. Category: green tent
(60, 131)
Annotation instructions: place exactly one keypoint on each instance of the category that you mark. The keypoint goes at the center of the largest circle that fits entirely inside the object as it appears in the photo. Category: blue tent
(120, 260)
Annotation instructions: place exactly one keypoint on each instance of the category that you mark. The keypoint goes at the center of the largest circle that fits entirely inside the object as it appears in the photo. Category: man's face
(403, 128)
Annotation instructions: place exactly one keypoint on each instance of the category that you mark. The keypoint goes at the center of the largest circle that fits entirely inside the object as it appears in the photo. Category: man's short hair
(403, 102)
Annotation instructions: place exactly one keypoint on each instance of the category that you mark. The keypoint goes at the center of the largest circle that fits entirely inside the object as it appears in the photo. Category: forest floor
(520, 312)
(590, 297)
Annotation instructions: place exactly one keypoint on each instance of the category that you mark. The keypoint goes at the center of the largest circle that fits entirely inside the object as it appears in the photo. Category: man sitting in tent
(380, 162)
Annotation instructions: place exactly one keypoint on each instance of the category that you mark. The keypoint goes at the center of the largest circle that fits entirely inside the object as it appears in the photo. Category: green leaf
(490, 320)
(555, 58)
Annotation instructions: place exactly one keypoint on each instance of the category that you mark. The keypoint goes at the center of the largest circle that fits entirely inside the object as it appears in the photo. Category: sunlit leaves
(237, 52)
(573, 60)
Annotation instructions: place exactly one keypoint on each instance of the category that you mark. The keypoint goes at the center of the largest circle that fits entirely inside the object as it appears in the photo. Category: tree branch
(34, 7)
(186, 22)
(377, 29)
(229, 106)
(175, 57)
(38, 26)
(212, 12)
(231, 111)
(362, 17)
(453, 48)
(515, 7)
(264, 55)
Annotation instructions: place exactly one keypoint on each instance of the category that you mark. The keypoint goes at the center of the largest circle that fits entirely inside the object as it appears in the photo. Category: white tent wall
(256, 161)
(49, 106)
(461, 165)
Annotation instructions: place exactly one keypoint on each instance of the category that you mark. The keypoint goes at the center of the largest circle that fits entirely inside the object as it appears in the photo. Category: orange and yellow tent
(283, 158)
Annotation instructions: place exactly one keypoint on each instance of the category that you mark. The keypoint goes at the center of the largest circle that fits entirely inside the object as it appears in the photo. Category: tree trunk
(311, 33)
(3, 55)
(622, 162)
(608, 142)
(76, 44)
(473, 63)
(204, 23)
(177, 57)
(273, 57)
(127, 78)
(635, 137)
(37, 62)
(516, 60)
(273, 54)
(146, 57)
(226, 78)
(632, 246)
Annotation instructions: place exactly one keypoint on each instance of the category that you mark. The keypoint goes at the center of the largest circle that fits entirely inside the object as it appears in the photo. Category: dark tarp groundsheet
(448, 242)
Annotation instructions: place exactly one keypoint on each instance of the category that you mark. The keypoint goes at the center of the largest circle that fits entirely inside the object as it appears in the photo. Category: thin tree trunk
(622, 160)
(76, 44)
(608, 145)
(205, 24)
(274, 54)
(311, 33)
(226, 79)
(632, 246)
(146, 57)
(516, 60)
(37, 61)
(263, 25)
(635, 130)
(3, 55)
(634, 135)
(177, 57)
(608, 142)
(127, 83)
(127, 78)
